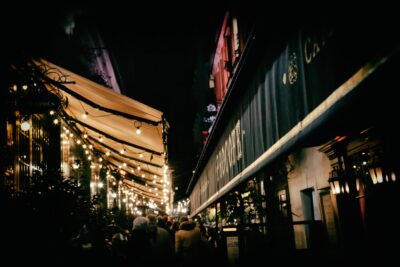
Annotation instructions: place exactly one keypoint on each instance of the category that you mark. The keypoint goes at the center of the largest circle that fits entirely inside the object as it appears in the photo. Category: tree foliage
(43, 221)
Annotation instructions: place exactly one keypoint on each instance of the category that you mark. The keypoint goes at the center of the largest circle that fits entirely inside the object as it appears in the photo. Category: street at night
(197, 135)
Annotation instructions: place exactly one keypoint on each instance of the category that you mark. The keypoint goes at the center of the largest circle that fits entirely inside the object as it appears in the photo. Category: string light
(138, 125)
(93, 165)
(85, 115)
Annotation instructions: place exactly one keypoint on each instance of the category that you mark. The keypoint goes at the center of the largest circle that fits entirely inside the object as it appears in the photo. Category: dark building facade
(30, 139)
(301, 160)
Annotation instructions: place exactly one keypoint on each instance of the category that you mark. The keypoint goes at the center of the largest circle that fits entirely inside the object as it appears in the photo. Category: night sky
(161, 51)
(158, 50)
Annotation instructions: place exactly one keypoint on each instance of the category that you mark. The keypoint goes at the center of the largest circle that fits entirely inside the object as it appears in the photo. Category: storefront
(109, 144)
(280, 119)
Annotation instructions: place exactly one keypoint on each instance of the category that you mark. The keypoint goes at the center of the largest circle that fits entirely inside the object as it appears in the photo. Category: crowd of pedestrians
(154, 241)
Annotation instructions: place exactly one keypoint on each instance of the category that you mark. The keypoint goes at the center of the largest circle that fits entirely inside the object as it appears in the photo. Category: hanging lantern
(337, 182)
(379, 175)
(376, 174)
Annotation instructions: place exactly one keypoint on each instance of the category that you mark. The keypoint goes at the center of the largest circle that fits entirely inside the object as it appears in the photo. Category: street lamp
(25, 126)
(76, 164)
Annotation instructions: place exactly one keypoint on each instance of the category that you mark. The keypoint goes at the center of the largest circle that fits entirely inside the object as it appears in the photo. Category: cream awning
(109, 122)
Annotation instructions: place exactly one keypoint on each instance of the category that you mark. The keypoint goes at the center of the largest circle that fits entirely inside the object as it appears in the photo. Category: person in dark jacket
(139, 250)
(160, 242)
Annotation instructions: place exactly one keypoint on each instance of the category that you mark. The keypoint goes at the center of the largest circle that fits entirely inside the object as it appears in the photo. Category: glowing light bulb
(25, 126)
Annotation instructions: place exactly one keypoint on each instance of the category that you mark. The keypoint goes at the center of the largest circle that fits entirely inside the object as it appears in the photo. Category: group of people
(155, 240)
